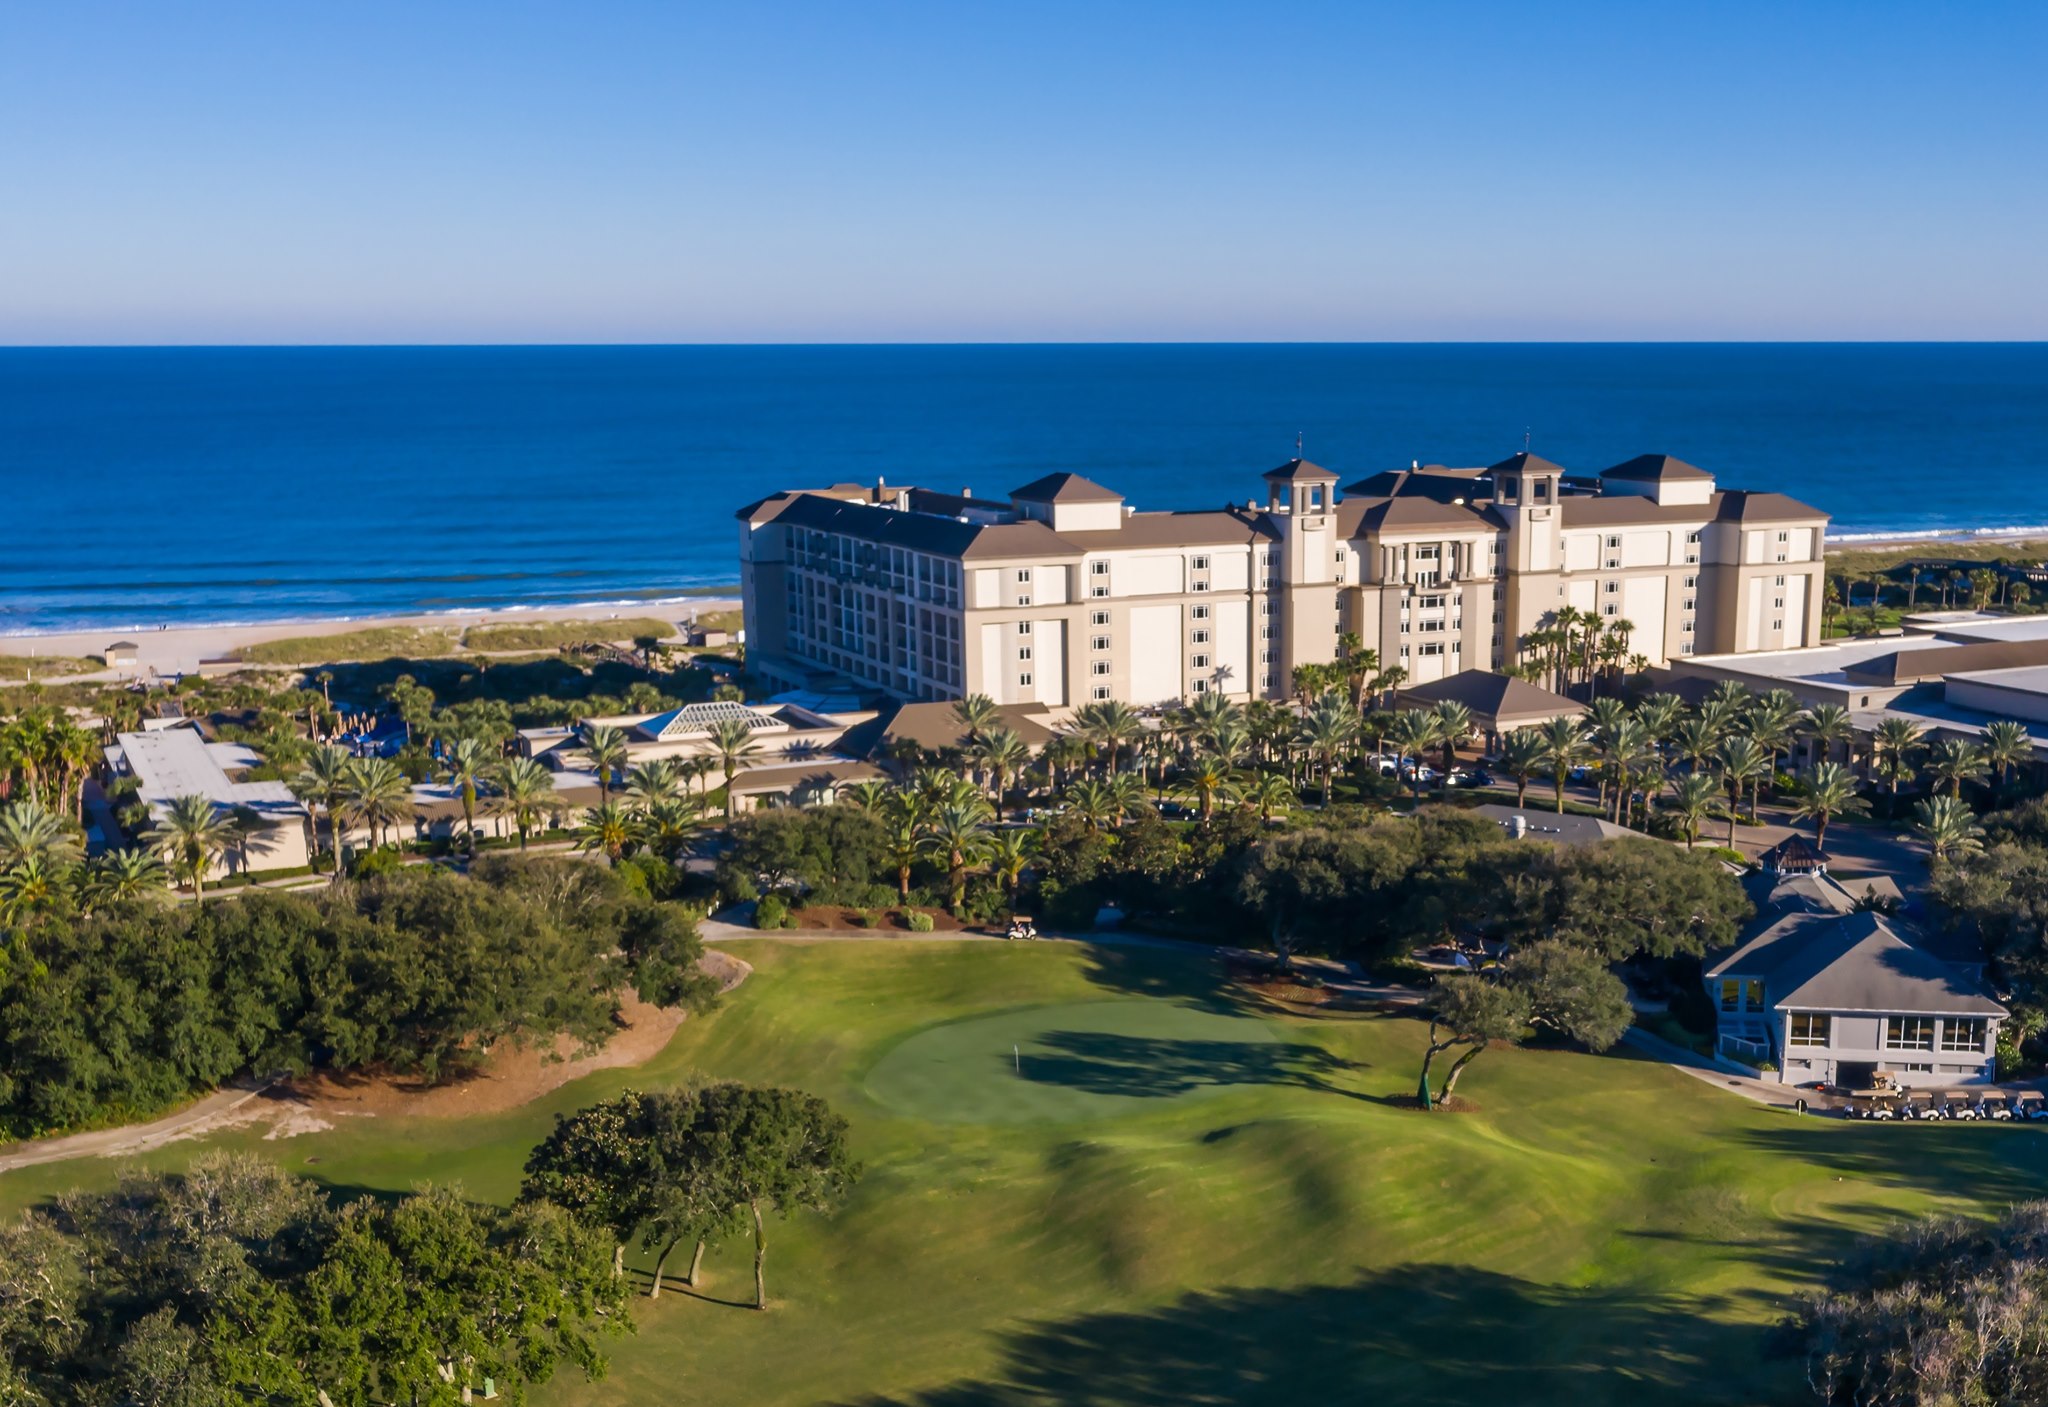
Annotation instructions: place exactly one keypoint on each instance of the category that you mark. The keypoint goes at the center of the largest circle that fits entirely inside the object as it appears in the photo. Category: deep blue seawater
(202, 485)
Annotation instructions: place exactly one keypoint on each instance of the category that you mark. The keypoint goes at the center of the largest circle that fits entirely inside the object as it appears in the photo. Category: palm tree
(1631, 751)
(1830, 792)
(1329, 729)
(324, 781)
(1412, 736)
(904, 842)
(1128, 791)
(606, 747)
(1953, 762)
(1696, 742)
(1895, 744)
(609, 828)
(1002, 754)
(1828, 725)
(122, 876)
(1522, 757)
(526, 794)
(1694, 799)
(1743, 760)
(665, 825)
(469, 763)
(191, 833)
(1565, 746)
(1116, 724)
(1096, 805)
(2006, 745)
(1453, 726)
(958, 836)
(1009, 855)
(1269, 792)
(31, 885)
(977, 714)
(1207, 779)
(734, 740)
(378, 796)
(869, 796)
(1772, 722)
(30, 831)
(655, 781)
(1948, 827)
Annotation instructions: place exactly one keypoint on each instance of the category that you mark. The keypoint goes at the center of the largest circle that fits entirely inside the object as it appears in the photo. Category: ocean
(200, 486)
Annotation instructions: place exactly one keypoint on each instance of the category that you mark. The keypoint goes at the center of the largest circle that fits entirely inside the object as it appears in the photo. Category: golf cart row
(1947, 1104)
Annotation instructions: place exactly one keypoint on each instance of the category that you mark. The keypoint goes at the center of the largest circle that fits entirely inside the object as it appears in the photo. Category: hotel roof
(1851, 962)
(1298, 471)
(168, 763)
(1655, 469)
(1065, 488)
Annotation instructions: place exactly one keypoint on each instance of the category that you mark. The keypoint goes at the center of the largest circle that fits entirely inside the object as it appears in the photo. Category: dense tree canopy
(141, 1005)
(232, 1282)
(1946, 1312)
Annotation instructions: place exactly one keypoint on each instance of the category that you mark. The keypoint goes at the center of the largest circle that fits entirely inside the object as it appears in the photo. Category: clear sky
(866, 170)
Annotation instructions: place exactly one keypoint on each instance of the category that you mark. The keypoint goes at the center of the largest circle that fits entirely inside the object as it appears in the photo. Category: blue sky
(671, 172)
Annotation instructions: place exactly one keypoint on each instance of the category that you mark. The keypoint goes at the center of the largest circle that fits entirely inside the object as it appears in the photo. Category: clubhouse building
(1063, 593)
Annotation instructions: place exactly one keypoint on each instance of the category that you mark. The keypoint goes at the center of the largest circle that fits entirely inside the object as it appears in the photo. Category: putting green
(1083, 1060)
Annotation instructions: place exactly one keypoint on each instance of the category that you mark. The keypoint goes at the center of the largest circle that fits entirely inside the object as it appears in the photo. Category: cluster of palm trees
(657, 805)
(1698, 764)
(1578, 645)
(42, 861)
(46, 758)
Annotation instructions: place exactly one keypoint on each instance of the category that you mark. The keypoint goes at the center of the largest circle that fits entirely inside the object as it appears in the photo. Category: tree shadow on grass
(1195, 978)
(1424, 1334)
(1990, 1163)
(1145, 1067)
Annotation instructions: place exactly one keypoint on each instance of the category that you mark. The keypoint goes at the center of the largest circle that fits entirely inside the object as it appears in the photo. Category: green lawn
(1161, 1197)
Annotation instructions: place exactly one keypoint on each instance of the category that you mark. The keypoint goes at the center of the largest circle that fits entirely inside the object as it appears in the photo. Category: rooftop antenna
(1297, 444)
(1525, 441)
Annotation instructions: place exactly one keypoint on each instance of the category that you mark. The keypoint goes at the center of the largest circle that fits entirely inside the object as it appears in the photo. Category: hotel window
(1098, 592)
(1686, 627)
(1023, 598)
(1613, 543)
(1784, 537)
(1777, 603)
(1201, 661)
(1429, 603)
(1404, 652)
(1201, 564)
(1201, 586)
(1613, 588)
(1023, 627)
(1686, 604)
(1962, 1035)
(1024, 576)
(1686, 648)
(1909, 1033)
(1808, 1028)
(1024, 679)
(1201, 637)
(1098, 569)
(1434, 647)
(1098, 617)
(1691, 583)
(1777, 625)
(1101, 692)
(1610, 610)
(1692, 537)
(1201, 686)
(1023, 652)
(1778, 581)
(1199, 612)
(1098, 642)
(1099, 667)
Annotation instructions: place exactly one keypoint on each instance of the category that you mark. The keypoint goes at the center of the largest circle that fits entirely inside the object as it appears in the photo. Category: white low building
(171, 762)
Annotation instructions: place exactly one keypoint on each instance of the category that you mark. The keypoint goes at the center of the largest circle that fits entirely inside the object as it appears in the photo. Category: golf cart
(1021, 927)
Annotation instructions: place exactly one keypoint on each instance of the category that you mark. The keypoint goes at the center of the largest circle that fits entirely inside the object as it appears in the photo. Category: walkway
(130, 1138)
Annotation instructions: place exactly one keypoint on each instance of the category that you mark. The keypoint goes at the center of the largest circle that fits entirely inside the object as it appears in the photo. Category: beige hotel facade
(1063, 593)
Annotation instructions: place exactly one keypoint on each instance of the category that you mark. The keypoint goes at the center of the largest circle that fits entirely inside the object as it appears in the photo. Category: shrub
(919, 922)
(1405, 972)
(369, 864)
(863, 918)
(772, 911)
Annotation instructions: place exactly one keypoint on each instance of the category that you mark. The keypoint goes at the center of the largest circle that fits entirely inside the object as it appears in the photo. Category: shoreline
(179, 649)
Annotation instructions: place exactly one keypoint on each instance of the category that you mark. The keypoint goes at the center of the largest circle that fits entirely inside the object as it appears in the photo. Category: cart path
(129, 1138)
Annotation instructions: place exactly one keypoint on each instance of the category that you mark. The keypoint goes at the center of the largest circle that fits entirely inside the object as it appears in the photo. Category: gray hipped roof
(1851, 962)
(1654, 469)
(1299, 470)
(1492, 696)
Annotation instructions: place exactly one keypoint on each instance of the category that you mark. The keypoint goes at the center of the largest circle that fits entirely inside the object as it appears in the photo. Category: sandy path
(508, 1079)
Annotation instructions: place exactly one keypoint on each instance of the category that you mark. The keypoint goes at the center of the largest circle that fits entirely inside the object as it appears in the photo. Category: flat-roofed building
(176, 760)
(1065, 594)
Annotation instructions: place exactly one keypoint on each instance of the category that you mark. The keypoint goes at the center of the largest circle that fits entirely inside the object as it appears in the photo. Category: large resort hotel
(1063, 594)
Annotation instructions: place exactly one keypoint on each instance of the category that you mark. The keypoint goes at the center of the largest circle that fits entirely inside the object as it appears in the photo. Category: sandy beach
(1942, 537)
(180, 649)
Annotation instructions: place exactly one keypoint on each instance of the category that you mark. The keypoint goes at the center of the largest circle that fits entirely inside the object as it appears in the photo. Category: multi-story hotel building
(1064, 594)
